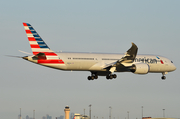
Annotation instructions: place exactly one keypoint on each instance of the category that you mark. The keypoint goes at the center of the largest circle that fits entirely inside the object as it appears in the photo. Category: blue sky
(89, 26)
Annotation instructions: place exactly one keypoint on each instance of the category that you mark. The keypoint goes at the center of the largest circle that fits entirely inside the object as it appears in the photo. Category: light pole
(20, 114)
(142, 111)
(110, 112)
(33, 114)
(90, 111)
(128, 114)
(164, 113)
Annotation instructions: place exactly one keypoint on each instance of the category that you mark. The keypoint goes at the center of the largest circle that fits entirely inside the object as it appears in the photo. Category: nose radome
(174, 67)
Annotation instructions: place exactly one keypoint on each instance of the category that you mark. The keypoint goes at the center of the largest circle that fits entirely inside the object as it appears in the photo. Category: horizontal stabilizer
(25, 52)
(39, 56)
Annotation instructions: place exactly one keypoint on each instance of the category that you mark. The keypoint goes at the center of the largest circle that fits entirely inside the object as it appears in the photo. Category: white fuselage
(99, 61)
(98, 64)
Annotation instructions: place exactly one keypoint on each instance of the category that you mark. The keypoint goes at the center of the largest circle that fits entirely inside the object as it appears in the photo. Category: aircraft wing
(129, 57)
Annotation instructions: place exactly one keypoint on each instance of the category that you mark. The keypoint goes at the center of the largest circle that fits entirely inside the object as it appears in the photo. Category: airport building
(79, 116)
(67, 110)
(157, 118)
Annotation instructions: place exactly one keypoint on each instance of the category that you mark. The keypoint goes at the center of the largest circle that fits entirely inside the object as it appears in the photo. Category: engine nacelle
(140, 68)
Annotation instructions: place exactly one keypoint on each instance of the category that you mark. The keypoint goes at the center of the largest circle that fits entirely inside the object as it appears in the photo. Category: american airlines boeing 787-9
(99, 64)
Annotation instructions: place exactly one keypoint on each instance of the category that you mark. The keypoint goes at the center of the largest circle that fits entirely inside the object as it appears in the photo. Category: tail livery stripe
(31, 39)
(39, 45)
(34, 46)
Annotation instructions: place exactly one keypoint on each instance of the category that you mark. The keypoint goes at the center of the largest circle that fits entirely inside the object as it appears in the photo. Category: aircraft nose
(173, 67)
(26, 57)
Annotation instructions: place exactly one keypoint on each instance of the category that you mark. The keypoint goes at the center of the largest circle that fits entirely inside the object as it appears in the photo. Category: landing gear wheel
(111, 76)
(114, 76)
(163, 77)
(96, 77)
(107, 77)
(89, 78)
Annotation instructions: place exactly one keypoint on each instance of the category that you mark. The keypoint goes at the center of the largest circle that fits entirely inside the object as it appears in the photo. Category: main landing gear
(111, 76)
(163, 77)
(92, 77)
(95, 76)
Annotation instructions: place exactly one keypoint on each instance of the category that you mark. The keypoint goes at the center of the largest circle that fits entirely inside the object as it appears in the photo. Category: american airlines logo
(148, 60)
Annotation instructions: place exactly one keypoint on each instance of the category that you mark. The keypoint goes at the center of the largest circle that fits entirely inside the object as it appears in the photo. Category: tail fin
(36, 42)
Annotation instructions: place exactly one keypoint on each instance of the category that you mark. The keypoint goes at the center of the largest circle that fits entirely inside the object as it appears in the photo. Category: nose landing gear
(164, 77)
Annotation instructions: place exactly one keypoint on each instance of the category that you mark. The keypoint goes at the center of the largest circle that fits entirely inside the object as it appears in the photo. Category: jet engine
(140, 68)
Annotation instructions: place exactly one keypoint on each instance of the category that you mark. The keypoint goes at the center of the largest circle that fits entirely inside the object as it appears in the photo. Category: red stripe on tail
(31, 39)
(25, 24)
(28, 31)
(34, 46)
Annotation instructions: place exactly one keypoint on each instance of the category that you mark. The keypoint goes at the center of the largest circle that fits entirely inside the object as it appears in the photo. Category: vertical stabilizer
(36, 42)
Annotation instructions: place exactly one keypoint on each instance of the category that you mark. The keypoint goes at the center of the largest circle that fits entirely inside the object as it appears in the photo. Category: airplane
(99, 64)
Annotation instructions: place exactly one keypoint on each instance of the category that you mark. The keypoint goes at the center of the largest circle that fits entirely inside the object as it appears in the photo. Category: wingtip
(133, 44)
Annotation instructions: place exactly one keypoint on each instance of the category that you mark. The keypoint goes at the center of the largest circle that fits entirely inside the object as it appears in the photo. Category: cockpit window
(171, 61)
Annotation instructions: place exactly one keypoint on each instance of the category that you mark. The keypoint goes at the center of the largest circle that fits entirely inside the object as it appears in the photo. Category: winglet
(130, 55)
(132, 50)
